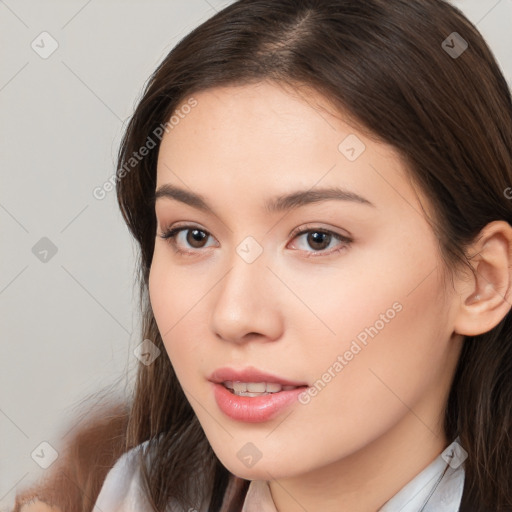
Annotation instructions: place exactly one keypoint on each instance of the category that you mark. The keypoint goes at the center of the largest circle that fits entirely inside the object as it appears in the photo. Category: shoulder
(122, 489)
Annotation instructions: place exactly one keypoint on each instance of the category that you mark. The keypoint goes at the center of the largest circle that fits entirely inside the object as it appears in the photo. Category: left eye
(321, 241)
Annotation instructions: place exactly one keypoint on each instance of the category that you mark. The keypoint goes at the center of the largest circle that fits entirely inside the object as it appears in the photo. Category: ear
(485, 295)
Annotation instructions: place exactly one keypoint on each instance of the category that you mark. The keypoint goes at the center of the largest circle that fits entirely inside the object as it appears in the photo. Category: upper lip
(249, 374)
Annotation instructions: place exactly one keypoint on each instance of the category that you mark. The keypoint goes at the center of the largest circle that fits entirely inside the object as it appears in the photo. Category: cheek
(389, 346)
(176, 297)
(382, 308)
(378, 381)
(172, 291)
(387, 295)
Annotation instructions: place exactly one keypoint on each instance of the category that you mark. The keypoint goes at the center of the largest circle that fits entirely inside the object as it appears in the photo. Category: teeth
(272, 387)
(255, 388)
(239, 387)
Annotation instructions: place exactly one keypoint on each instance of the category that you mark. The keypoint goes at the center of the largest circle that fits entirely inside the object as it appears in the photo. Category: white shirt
(438, 488)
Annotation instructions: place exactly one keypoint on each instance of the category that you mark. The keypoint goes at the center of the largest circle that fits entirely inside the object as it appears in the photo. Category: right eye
(185, 238)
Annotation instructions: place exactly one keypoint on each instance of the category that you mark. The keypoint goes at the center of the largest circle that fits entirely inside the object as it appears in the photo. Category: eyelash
(170, 237)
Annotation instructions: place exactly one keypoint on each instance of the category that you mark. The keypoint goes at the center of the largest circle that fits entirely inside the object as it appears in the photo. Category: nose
(246, 306)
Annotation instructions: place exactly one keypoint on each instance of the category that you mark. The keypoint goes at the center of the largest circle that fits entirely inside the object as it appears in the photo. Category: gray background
(67, 321)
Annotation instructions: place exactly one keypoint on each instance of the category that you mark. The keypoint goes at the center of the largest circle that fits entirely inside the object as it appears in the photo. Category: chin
(261, 470)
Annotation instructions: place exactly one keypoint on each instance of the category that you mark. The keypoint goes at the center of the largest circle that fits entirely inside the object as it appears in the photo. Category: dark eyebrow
(277, 204)
(182, 195)
(302, 198)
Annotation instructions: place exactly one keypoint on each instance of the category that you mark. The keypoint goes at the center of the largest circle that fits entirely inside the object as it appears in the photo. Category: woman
(319, 192)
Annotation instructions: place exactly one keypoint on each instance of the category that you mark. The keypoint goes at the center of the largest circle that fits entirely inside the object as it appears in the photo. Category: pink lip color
(254, 409)
(249, 374)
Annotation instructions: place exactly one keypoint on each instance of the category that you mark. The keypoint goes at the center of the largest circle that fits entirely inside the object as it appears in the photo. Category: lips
(251, 408)
(250, 395)
(250, 375)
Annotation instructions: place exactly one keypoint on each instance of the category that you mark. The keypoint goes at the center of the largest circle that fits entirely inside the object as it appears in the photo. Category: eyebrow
(277, 204)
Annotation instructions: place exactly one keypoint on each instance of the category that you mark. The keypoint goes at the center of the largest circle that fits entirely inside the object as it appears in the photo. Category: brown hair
(381, 62)
(87, 451)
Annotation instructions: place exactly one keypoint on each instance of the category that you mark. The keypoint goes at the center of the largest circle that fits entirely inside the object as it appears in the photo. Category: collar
(437, 488)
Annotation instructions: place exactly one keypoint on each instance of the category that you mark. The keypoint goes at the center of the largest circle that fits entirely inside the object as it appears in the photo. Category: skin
(292, 311)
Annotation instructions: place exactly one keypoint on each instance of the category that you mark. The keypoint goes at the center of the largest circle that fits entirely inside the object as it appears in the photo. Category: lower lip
(254, 409)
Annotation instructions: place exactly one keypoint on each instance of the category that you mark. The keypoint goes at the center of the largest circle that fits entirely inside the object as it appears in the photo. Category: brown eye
(318, 240)
(188, 239)
(196, 238)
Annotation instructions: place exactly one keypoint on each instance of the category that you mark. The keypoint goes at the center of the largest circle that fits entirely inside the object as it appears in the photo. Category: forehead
(258, 112)
(269, 136)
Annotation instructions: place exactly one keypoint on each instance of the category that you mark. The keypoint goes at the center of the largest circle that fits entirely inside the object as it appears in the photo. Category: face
(296, 247)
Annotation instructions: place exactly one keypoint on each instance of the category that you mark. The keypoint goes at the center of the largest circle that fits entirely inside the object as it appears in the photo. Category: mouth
(251, 396)
(252, 382)
(253, 389)
(254, 402)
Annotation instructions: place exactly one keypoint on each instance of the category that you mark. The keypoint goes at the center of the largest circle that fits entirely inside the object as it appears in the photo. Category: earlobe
(485, 298)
